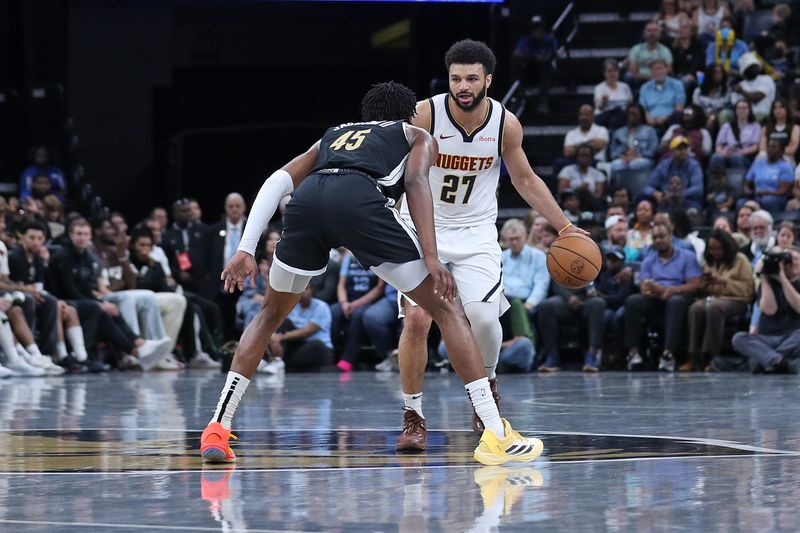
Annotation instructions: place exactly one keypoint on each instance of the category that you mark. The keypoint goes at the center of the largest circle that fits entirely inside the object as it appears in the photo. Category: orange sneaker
(214, 447)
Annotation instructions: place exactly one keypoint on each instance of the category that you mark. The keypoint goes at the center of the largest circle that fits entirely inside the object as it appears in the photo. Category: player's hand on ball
(575, 229)
(444, 285)
(239, 268)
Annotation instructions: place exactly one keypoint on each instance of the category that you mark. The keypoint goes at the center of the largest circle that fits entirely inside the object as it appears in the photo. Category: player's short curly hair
(469, 52)
(388, 101)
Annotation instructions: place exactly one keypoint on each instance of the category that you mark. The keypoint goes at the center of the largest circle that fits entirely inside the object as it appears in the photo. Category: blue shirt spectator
(525, 275)
(771, 179)
(661, 96)
(317, 312)
(682, 166)
(675, 271)
(41, 166)
(739, 48)
(359, 279)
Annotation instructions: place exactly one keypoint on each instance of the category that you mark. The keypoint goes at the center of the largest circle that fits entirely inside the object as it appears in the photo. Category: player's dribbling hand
(575, 229)
(444, 285)
(238, 269)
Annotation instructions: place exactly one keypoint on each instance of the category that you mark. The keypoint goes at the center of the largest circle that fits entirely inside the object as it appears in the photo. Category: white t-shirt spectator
(760, 84)
(577, 137)
(619, 97)
(576, 179)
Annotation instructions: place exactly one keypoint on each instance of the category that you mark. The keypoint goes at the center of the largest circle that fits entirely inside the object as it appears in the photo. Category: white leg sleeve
(484, 319)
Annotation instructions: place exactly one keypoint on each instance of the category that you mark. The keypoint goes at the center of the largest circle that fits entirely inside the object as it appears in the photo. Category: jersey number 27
(450, 185)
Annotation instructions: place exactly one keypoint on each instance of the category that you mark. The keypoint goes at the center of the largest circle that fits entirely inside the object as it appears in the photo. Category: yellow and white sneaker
(493, 450)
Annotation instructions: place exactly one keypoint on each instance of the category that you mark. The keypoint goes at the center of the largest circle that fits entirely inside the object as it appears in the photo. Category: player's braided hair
(469, 52)
(388, 101)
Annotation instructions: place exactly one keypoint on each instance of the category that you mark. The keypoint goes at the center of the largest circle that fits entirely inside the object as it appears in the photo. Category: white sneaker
(151, 352)
(44, 362)
(275, 366)
(203, 360)
(21, 367)
(5, 372)
(634, 361)
(168, 363)
(666, 363)
(262, 366)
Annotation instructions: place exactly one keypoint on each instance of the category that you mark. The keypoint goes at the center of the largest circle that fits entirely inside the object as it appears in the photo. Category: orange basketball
(574, 261)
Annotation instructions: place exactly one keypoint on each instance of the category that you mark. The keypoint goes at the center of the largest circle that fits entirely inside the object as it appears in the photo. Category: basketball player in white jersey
(474, 133)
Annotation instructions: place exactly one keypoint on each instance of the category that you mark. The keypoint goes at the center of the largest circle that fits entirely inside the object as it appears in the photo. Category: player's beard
(476, 100)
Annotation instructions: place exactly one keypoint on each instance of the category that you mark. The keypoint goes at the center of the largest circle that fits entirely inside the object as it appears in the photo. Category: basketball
(574, 261)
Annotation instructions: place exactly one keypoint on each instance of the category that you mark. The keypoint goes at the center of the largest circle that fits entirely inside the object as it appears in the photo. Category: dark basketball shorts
(332, 210)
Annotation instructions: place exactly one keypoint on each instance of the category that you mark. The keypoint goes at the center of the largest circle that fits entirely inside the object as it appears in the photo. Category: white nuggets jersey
(465, 176)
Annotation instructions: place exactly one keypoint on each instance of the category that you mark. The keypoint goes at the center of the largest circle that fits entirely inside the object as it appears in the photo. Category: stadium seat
(633, 180)
(755, 23)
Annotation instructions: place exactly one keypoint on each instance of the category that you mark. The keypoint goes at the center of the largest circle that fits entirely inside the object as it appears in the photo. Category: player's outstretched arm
(529, 185)
(281, 183)
(424, 151)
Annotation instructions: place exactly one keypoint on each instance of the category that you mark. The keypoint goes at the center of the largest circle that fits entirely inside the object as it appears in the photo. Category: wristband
(565, 228)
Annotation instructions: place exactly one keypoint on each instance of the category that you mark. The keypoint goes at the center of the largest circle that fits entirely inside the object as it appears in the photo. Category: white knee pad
(484, 319)
(282, 280)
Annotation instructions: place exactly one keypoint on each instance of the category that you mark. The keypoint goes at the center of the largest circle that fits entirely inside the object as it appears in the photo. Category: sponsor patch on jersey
(487, 139)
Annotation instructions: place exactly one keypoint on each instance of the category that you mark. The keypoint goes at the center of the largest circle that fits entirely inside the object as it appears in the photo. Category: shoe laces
(413, 425)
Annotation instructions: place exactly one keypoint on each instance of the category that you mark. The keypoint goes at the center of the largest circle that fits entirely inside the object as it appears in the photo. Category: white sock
(483, 402)
(33, 349)
(413, 402)
(75, 336)
(198, 346)
(233, 391)
(61, 350)
(7, 342)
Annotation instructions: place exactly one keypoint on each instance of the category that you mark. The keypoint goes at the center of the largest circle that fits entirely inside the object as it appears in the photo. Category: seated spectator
(42, 166)
(571, 203)
(643, 55)
(564, 305)
(770, 180)
(525, 275)
(756, 88)
(533, 58)
(725, 50)
(720, 195)
(692, 128)
(723, 223)
(546, 237)
(662, 97)
(118, 222)
(688, 174)
(614, 285)
(250, 301)
(787, 235)
(634, 145)
(159, 214)
(761, 234)
(76, 273)
(670, 19)
(587, 182)
(727, 283)
(380, 325)
(670, 278)
(776, 346)
(617, 236)
(781, 127)
(611, 97)
(794, 203)
(303, 342)
(151, 315)
(713, 97)
(742, 230)
(640, 235)
(587, 132)
(707, 19)
(621, 198)
(537, 225)
(737, 141)
(358, 287)
(688, 56)
(53, 215)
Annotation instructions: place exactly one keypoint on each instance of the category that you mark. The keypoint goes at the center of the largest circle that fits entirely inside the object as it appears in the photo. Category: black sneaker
(96, 367)
(72, 365)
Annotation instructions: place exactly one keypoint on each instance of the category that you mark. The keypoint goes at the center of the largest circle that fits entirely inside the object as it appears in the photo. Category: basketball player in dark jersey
(344, 188)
